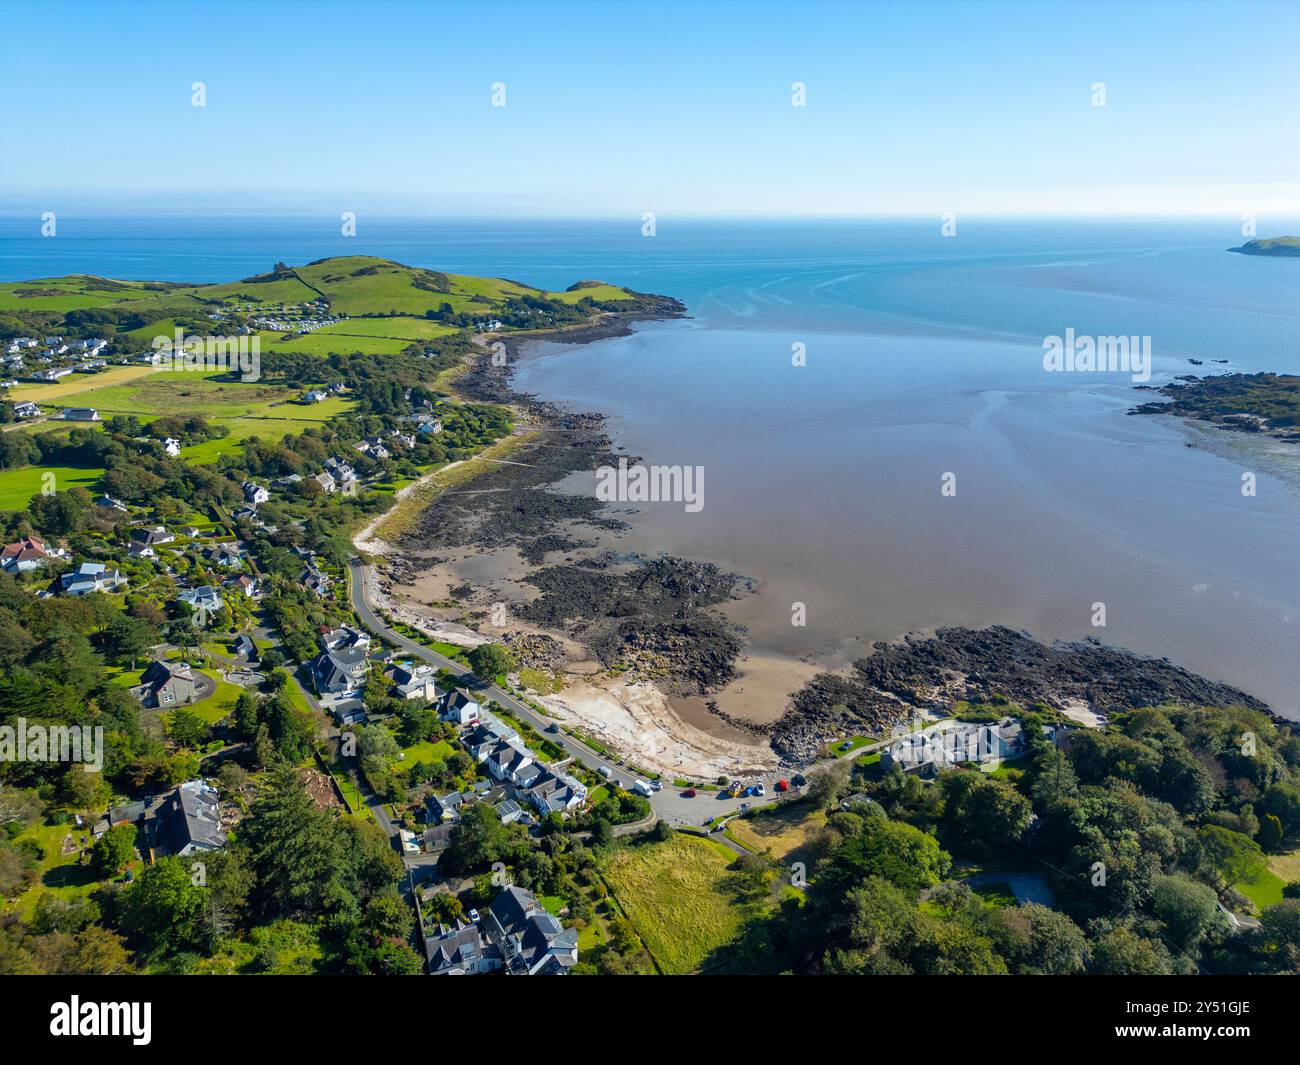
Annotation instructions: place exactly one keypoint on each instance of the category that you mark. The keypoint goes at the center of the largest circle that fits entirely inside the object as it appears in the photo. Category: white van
(642, 788)
(606, 772)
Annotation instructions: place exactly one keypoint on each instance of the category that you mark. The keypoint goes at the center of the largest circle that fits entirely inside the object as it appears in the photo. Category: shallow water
(923, 358)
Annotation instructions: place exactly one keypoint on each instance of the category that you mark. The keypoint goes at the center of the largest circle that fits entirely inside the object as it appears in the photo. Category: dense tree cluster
(1139, 831)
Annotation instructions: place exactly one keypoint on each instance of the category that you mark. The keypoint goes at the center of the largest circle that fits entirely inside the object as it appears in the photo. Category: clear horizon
(1000, 110)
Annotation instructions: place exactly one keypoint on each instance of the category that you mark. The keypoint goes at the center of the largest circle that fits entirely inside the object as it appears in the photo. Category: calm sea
(923, 358)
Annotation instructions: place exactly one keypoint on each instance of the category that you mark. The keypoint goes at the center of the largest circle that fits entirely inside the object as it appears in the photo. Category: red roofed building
(26, 554)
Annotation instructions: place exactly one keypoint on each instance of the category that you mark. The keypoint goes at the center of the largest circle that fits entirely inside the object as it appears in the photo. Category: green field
(245, 408)
(1264, 890)
(323, 343)
(58, 392)
(18, 486)
(786, 832)
(405, 329)
(677, 897)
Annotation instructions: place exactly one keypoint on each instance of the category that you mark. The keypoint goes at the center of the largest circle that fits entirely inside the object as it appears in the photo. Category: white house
(254, 493)
(459, 707)
(91, 577)
(205, 601)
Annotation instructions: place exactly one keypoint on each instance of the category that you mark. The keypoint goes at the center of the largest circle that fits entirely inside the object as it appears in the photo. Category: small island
(1254, 403)
(1276, 246)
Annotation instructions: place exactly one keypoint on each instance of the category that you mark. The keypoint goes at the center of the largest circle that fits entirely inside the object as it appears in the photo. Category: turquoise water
(923, 358)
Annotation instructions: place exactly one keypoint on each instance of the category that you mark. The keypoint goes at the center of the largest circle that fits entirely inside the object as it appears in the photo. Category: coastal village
(329, 783)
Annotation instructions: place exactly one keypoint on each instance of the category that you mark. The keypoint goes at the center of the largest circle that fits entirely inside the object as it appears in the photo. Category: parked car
(798, 780)
(689, 793)
(847, 745)
(760, 788)
(473, 916)
(606, 772)
(708, 820)
(782, 785)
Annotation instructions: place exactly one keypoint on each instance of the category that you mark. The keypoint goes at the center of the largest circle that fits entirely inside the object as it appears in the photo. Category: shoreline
(555, 604)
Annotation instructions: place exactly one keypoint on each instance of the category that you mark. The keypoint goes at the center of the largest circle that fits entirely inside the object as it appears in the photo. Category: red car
(689, 793)
(782, 785)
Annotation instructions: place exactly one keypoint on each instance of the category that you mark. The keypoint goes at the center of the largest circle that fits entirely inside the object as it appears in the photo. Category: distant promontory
(1284, 246)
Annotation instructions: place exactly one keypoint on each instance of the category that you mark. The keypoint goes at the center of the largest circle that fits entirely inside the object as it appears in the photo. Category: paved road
(668, 804)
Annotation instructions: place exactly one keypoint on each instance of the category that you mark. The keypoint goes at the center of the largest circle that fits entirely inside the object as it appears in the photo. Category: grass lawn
(1011, 769)
(786, 831)
(1264, 890)
(221, 702)
(996, 895)
(18, 486)
(676, 895)
(552, 904)
(591, 937)
(1287, 865)
(324, 343)
(60, 874)
(426, 752)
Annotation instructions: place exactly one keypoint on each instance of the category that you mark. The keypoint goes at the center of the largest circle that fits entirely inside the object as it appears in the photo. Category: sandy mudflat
(639, 721)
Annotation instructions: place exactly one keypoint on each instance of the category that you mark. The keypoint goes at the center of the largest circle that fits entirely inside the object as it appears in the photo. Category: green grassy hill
(353, 285)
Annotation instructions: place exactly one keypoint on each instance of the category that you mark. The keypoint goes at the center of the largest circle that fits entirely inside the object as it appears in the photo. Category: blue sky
(617, 108)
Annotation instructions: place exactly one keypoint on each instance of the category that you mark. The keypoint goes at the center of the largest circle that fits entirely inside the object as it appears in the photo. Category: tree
(1122, 952)
(479, 839)
(1280, 928)
(293, 848)
(1186, 907)
(243, 720)
(186, 728)
(983, 814)
(869, 932)
(490, 660)
(1271, 835)
(128, 637)
(1037, 941)
(1236, 857)
(899, 853)
(164, 908)
(827, 783)
(388, 916)
(113, 850)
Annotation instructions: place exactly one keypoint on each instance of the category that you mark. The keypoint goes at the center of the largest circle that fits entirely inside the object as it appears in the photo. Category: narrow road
(574, 748)
(668, 804)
